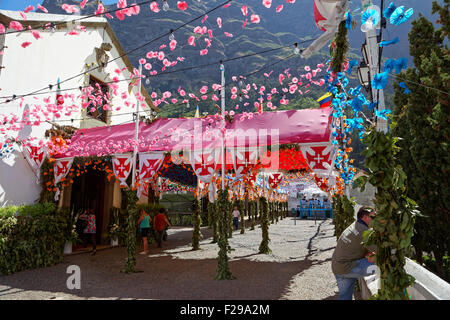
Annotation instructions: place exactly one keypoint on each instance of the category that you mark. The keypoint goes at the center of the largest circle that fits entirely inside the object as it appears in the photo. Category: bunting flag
(61, 169)
(244, 159)
(35, 156)
(325, 100)
(204, 165)
(327, 15)
(149, 165)
(122, 167)
(319, 157)
(59, 96)
(274, 179)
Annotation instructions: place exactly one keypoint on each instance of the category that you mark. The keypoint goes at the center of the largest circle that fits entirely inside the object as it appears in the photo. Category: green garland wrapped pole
(392, 227)
(212, 211)
(344, 213)
(264, 246)
(131, 231)
(196, 222)
(230, 218)
(223, 207)
(252, 212)
(241, 210)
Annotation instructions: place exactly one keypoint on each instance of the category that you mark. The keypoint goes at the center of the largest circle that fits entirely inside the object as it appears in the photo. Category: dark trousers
(159, 235)
(236, 223)
(92, 237)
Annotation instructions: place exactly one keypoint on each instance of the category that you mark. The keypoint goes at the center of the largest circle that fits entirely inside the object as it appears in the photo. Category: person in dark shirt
(351, 260)
(159, 223)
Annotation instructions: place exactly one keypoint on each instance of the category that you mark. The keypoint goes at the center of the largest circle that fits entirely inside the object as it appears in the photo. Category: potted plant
(114, 234)
(71, 234)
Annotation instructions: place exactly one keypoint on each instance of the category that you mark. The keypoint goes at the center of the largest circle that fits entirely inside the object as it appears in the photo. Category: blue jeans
(236, 223)
(346, 282)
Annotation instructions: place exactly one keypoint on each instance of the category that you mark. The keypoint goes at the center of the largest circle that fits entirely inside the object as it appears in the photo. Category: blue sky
(22, 4)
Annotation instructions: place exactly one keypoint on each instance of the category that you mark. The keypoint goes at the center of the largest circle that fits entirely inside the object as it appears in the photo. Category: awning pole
(222, 92)
(136, 130)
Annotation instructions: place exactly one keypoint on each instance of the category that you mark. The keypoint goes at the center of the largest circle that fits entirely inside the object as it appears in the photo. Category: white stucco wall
(55, 55)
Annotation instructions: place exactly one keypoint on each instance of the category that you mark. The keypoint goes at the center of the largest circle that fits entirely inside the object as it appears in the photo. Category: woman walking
(144, 228)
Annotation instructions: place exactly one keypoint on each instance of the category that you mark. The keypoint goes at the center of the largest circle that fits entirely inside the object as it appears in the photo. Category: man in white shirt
(236, 215)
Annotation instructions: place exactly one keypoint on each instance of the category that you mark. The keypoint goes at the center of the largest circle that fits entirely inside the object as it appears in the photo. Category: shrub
(31, 236)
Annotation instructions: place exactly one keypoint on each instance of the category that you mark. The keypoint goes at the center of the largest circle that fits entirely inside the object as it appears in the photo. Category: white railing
(427, 286)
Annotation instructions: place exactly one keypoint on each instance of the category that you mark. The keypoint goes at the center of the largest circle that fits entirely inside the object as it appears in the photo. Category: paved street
(298, 268)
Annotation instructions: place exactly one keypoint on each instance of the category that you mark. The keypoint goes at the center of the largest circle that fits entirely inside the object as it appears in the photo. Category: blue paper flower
(400, 16)
(373, 105)
(389, 42)
(382, 114)
(370, 15)
(389, 65)
(351, 64)
(380, 80)
(355, 91)
(400, 64)
(403, 85)
(389, 10)
(348, 20)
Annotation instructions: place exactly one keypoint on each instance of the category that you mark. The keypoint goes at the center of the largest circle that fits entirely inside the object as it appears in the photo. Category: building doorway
(88, 192)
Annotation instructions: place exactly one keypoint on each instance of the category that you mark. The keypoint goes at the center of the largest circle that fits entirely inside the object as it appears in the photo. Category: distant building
(60, 55)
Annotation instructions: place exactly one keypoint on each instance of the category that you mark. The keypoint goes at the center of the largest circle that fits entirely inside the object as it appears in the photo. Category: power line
(157, 75)
(419, 84)
(135, 49)
(181, 103)
(78, 19)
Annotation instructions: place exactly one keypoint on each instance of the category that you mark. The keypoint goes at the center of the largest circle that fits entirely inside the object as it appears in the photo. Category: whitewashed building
(57, 54)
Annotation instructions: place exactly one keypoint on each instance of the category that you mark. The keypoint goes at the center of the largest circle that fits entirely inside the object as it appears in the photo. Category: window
(99, 98)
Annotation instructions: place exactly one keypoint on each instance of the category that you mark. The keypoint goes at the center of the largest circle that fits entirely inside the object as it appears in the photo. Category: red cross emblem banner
(35, 156)
(204, 165)
(244, 159)
(274, 179)
(122, 167)
(61, 169)
(319, 157)
(149, 165)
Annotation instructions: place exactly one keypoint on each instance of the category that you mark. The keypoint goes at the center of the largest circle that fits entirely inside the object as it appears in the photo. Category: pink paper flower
(15, 25)
(254, 18)
(267, 3)
(154, 7)
(244, 10)
(25, 44)
(219, 22)
(182, 5)
(279, 8)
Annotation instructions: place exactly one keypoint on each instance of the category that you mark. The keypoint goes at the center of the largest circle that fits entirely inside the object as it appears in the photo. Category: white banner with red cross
(244, 159)
(35, 156)
(149, 165)
(274, 179)
(122, 166)
(204, 163)
(61, 169)
(319, 157)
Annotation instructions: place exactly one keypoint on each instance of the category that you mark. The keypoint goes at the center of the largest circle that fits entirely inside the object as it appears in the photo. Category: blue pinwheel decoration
(382, 114)
(348, 20)
(380, 80)
(389, 42)
(373, 105)
(403, 85)
(389, 10)
(400, 64)
(389, 65)
(370, 19)
(400, 16)
(351, 64)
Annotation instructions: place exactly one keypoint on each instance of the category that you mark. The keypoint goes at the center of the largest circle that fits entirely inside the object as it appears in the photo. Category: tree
(422, 117)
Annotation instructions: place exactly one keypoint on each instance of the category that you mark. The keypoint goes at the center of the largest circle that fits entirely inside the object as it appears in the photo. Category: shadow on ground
(162, 276)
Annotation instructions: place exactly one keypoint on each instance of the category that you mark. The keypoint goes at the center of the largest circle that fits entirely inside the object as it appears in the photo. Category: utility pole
(136, 131)
(222, 93)
(373, 55)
